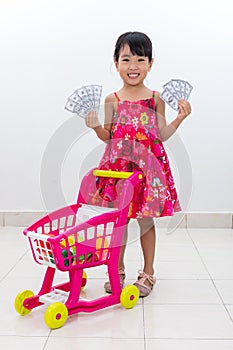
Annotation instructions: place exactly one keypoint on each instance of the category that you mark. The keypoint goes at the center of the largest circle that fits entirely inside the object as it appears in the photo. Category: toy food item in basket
(66, 255)
(89, 258)
(71, 244)
(46, 254)
(51, 258)
(99, 243)
(94, 257)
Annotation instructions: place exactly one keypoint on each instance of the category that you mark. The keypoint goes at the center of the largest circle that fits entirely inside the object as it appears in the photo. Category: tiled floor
(191, 306)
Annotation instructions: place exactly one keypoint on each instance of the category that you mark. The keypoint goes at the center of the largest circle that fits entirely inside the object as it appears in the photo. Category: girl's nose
(133, 65)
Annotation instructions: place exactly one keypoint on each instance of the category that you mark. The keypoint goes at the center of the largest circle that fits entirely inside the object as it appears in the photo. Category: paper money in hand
(85, 99)
(174, 90)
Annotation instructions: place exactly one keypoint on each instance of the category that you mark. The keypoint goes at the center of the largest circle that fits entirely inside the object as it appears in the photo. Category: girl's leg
(146, 280)
(148, 242)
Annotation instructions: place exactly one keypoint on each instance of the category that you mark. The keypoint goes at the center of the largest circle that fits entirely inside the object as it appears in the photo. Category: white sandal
(144, 290)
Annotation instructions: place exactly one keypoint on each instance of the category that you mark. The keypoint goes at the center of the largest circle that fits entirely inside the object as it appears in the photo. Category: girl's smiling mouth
(133, 75)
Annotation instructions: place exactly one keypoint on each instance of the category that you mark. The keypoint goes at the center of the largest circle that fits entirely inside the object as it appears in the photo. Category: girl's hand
(92, 120)
(184, 109)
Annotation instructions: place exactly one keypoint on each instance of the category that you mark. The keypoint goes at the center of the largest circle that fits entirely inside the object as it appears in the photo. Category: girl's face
(133, 69)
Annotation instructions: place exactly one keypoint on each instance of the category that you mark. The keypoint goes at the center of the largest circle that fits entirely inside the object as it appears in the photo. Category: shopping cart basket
(75, 238)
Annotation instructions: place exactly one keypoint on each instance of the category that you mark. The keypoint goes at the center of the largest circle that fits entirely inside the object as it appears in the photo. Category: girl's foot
(107, 285)
(145, 283)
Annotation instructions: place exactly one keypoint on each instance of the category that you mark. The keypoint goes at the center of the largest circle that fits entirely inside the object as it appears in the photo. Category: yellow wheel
(19, 300)
(56, 315)
(129, 296)
(84, 280)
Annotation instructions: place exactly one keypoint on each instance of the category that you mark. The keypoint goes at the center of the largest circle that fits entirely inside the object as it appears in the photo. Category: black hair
(139, 44)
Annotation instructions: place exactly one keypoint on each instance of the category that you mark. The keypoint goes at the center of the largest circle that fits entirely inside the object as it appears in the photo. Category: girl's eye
(125, 60)
(141, 59)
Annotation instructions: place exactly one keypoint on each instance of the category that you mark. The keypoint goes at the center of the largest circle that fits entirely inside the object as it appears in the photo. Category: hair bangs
(139, 44)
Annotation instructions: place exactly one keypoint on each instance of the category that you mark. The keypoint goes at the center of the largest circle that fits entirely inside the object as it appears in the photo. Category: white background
(50, 48)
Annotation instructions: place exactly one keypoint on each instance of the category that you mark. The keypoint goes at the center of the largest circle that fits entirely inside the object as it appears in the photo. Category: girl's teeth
(133, 75)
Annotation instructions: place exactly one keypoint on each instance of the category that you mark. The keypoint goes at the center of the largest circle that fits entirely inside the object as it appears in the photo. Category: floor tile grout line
(195, 246)
(46, 341)
(23, 336)
(191, 339)
(222, 301)
(109, 337)
(227, 311)
(95, 337)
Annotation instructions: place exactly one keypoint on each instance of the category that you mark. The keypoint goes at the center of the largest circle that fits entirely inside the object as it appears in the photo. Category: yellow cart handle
(112, 174)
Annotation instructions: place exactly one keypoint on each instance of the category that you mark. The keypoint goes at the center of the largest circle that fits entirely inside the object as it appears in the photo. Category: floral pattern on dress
(136, 144)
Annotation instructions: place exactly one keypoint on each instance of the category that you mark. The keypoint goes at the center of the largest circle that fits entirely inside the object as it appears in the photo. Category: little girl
(134, 129)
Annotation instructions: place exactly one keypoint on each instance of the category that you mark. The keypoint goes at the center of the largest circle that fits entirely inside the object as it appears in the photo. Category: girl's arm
(165, 130)
(92, 121)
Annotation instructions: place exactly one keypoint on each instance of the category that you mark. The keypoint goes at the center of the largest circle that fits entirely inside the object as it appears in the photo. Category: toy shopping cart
(75, 238)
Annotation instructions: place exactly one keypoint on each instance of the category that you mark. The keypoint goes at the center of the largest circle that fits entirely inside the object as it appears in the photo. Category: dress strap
(117, 100)
(153, 94)
(117, 97)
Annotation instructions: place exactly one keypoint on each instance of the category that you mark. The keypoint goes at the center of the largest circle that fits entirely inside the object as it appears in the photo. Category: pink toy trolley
(72, 239)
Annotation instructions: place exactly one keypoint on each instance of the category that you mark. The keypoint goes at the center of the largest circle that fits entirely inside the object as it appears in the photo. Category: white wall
(50, 48)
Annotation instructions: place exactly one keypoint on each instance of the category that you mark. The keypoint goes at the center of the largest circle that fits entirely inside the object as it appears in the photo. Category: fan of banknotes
(174, 90)
(85, 99)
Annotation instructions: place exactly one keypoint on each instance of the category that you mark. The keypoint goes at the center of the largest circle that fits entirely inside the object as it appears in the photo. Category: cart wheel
(56, 315)
(84, 280)
(129, 296)
(19, 300)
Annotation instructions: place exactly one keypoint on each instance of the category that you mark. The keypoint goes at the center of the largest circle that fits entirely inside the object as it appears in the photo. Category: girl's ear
(150, 64)
(116, 65)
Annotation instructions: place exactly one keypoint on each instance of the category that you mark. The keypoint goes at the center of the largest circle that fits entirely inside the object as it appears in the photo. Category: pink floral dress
(135, 144)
